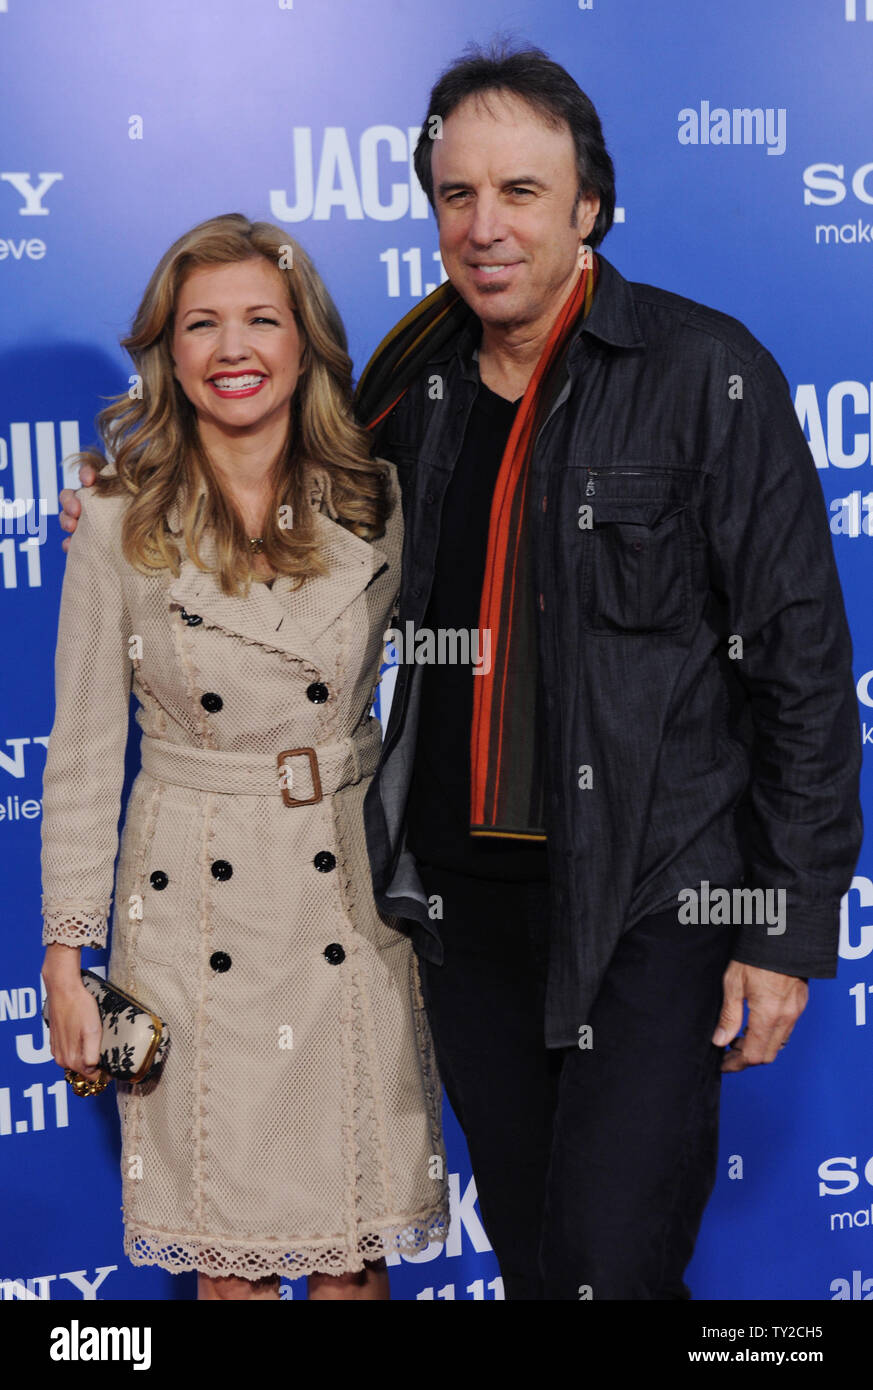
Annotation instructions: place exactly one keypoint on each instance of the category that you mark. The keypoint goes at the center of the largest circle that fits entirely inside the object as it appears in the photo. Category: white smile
(237, 383)
(491, 269)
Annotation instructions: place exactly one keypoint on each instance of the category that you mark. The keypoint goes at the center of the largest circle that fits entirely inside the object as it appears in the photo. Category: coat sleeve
(84, 770)
(772, 559)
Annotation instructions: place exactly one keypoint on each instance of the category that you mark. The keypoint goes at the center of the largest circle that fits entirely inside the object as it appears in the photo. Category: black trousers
(593, 1164)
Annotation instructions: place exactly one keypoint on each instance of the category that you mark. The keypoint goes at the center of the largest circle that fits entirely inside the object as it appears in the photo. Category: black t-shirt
(438, 811)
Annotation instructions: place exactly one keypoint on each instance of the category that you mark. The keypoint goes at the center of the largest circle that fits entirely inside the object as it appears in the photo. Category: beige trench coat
(295, 1126)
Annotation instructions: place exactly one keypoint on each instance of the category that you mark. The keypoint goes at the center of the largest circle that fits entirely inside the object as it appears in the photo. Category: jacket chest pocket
(636, 570)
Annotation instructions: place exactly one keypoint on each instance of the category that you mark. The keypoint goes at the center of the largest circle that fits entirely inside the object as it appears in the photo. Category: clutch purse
(134, 1042)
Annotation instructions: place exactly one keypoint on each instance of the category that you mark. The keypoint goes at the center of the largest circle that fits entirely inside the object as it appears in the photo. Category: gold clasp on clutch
(86, 1085)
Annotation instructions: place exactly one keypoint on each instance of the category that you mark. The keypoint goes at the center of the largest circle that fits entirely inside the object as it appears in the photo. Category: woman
(238, 565)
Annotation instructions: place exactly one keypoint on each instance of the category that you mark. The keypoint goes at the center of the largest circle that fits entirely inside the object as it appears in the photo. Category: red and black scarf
(506, 785)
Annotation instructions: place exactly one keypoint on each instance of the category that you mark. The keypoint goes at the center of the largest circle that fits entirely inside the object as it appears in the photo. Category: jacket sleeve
(84, 770)
(772, 559)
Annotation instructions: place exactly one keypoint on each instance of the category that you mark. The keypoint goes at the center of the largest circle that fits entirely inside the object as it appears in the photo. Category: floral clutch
(134, 1042)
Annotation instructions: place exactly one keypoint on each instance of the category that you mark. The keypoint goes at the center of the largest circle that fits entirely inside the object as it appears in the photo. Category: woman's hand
(72, 507)
(75, 1028)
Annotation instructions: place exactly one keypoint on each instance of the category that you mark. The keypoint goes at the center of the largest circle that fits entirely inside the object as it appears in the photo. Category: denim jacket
(694, 655)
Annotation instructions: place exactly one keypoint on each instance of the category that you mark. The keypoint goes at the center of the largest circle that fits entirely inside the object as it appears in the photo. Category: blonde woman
(236, 566)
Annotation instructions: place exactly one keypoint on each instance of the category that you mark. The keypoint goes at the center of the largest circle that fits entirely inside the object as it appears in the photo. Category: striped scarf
(506, 786)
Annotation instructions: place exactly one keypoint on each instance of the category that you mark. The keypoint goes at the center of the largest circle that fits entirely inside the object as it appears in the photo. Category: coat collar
(613, 317)
(282, 618)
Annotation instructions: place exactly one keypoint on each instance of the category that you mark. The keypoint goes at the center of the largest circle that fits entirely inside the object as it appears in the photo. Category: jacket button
(542, 604)
(158, 879)
(317, 692)
(334, 953)
(192, 619)
(222, 870)
(211, 702)
(324, 861)
(220, 961)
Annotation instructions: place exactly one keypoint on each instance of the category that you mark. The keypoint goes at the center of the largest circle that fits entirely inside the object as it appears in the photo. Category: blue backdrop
(742, 140)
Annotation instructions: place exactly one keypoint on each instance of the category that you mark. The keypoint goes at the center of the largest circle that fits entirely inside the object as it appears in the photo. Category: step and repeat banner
(743, 141)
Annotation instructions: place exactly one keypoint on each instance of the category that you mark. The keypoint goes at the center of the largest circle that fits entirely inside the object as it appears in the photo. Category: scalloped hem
(72, 923)
(74, 933)
(220, 1258)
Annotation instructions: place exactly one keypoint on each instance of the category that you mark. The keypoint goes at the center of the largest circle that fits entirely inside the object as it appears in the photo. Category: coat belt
(301, 776)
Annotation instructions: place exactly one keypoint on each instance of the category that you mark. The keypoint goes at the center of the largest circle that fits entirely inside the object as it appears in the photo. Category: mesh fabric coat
(295, 1125)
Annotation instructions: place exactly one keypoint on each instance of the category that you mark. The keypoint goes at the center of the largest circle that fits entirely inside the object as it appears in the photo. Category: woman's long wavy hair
(151, 435)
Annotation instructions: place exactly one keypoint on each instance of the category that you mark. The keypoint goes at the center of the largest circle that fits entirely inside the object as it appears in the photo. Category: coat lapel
(282, 618)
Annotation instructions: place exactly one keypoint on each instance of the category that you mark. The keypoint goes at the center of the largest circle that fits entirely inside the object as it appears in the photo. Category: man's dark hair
(550, 91)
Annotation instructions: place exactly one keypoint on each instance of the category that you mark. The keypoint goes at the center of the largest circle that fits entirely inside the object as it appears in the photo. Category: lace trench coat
(295, 1126)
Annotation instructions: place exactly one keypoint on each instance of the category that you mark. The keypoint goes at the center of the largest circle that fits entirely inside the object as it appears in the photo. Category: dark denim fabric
(707, 524)
(593, 1163)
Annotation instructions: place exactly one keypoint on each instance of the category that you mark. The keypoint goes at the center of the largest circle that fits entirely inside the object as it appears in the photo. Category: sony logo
(15, 765)
(37, 1287)
(31, 194)
(825, 184)
(839, 1176)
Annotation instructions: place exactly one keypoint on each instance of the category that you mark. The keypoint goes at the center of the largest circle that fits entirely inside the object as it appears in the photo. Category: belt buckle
(313, 769)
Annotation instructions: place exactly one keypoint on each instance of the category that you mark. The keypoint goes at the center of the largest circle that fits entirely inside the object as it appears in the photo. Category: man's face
(504, 188)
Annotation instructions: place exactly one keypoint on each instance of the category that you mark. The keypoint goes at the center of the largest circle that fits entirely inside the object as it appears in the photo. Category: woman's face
(236, 348)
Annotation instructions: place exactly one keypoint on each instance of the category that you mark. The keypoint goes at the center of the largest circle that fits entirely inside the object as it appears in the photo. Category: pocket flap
(637, 494)
(633, 511)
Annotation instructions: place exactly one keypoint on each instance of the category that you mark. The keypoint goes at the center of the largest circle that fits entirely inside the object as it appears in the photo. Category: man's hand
(775, 1004)
(72, 507)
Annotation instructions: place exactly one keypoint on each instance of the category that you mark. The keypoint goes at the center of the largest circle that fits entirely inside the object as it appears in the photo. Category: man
(596, 477)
